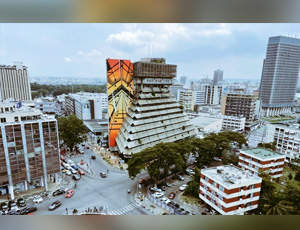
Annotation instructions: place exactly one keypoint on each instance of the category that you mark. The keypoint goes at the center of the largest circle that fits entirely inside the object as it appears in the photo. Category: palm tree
(276, 205)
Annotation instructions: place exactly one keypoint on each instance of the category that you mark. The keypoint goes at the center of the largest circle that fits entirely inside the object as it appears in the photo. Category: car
(54, 205)
(87, 147)
(21, 202)
(81, 151)
(183, 187)
(190, 172)
(73, 171)
(14, 212)
(179, 177)
(58, 192)
(217, 159)
(171, 204)
(4, 206)
(81, 172)
(171, 195)
(155, 189)
(103, 174)
(93, 157)
(164, 200)
(63, 158)
(168, 184)
(157, 195)
(28, 210)
(70, 162)
(75, 167)
(68, 172)
(82, 144)
(76, 177)
(176, 205)
(12, 205)
(67, 166)
(37, 199)
(163, 188)
(70, 193)
(64, 170)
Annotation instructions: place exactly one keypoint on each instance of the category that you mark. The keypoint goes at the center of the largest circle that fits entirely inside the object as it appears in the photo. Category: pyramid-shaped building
(154, 115)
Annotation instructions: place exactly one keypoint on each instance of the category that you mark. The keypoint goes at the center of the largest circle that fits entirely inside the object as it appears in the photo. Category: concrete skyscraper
(218, 76)
(14, 82)
(280, 75)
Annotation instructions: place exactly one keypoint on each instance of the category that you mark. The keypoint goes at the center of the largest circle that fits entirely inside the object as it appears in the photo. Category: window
(252, 186)
(3, 120)
(206, 178)
(221, 188)
(16, 119)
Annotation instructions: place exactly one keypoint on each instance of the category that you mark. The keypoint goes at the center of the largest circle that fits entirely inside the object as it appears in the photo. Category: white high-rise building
(14, 82)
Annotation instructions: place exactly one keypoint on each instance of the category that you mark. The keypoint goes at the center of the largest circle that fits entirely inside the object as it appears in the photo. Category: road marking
(124, 209)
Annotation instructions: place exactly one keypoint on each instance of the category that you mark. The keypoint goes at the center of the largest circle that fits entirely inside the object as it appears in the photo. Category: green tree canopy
(71, 130)
(271, 145)
(276, 205)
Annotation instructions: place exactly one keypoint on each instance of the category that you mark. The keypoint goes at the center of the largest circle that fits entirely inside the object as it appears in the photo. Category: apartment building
(287, 139)
(186, 99)
(233, 123)
(29, 149)
(213, 94)
(46, 105)
(229, 190)
(242, 105)
(258, 160)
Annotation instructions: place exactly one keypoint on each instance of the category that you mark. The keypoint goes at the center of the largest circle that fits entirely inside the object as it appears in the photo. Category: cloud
(67, 59)
(92, 56)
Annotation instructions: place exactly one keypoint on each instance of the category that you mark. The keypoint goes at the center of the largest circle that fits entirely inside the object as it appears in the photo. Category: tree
(230, 158)
(193, 185)
(276, 205)
(267, 186)
(292, 193)
(271, 145)
(203, 150)
(290, 176)
(72, 131)
(297, 176)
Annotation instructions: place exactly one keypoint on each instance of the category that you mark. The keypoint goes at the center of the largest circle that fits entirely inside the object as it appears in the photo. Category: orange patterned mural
(120, 94)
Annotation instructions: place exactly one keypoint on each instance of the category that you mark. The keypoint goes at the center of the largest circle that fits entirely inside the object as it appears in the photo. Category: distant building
(199, 97)
(14, 82)
(218, 76)
(233, 123)
(86, 106)
(175, 88)
(242, 105)
(186, 98)
(205, 125)
(213, 94)
(280, 75)
(29, 149)
(258, 160)
(154, 116)
(45, 105)
(183, 80)
(229, 190)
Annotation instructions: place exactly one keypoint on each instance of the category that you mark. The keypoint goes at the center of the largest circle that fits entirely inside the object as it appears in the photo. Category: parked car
(190, 172)
(14, 212)
(171, 195)
(155, 189)
(54, 205)
(176, 205)
(168, 184)
(103, 174)
(171, 204)
(68, 172)
(183, 187)
(4, 206)
(28, 210)
(12, 205)
(58, 192)
(164, 200)
(76, 177)
(93, 157)
(83, 144)
(63, 158)
(81, 172)
(21, 202)
(217, 159)
(70, 162)
(73, 171)
(37, 199)
(75, 167)
(70, 193)
(163, 188)
(157, 195)
(179, 177)
(87, 147)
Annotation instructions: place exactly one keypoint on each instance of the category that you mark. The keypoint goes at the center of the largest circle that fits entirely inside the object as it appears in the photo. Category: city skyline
(80, 50)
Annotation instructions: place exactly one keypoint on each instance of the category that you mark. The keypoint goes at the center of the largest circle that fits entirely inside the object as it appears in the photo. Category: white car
(70, 162)
(158, 195)
(190, 172)
(183, 187)
(68, 173)
(73, 171)
(155, 189)
(164, 200)
(37, 199)
(217, 159)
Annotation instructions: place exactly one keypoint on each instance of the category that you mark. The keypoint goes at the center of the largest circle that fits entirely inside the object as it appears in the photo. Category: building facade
(199, 97)
(46, 105)
(242, 105)
(154, 116)
(186, 99)
(29, 149)
(280, 75)
(229, 190)
(86, 106)
(183, 80)
(258, 160)
(14, 82)
(218, 76)
(213, 94)
(233, 123)
(175, 88)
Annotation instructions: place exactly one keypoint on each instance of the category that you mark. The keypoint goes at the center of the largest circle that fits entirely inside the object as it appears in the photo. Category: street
(94, 191)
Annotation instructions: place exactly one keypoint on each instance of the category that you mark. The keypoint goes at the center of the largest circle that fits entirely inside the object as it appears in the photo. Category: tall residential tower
(280, 75)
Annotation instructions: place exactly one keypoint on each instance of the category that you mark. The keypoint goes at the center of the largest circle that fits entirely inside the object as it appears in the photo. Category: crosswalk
(124, 209)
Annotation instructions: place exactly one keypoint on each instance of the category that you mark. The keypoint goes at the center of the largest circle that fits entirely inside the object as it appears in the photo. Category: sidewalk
(144, 202)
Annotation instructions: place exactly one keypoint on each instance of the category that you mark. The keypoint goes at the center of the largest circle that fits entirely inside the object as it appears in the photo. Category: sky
(80, 50)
